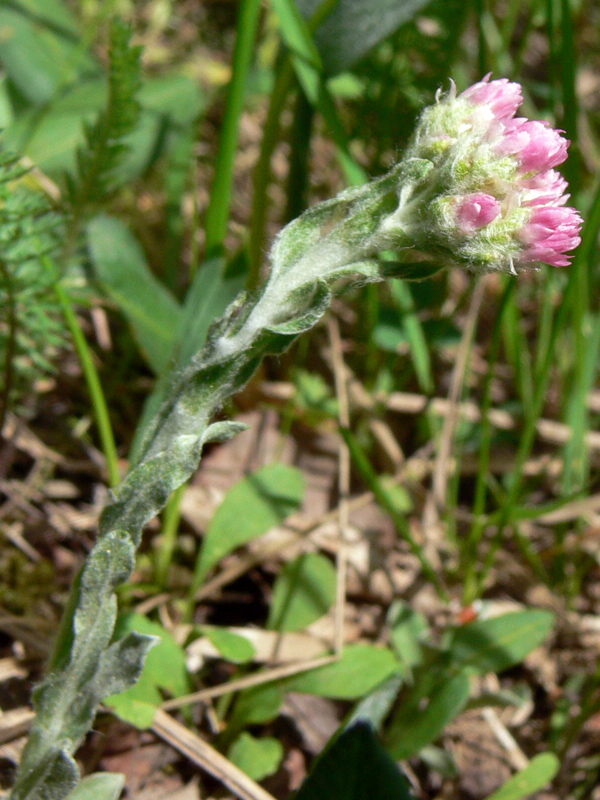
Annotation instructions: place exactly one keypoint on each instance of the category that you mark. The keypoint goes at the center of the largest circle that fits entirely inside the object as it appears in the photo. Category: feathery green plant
(100, 158)
(30, 319)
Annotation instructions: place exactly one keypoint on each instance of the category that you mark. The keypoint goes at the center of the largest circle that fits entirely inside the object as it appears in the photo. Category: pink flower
(551, 231)
(535, 145)
(476, 211)
(501, 96)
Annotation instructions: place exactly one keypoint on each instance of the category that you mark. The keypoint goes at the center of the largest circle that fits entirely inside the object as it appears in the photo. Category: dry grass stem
(199, 752)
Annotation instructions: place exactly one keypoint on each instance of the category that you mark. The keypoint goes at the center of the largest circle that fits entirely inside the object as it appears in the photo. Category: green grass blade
(307, 63)
(413, 329)
(99, 405)
(217, 214)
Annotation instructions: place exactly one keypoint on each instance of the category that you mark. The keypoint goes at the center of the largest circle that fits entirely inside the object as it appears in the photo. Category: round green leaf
(256, 757)
(303, 593)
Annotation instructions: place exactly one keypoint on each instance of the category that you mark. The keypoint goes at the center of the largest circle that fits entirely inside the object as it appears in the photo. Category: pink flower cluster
(551, 228)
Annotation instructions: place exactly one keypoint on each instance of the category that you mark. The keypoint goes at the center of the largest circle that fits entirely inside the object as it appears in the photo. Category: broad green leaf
(165, 668)
(256, 757)
(409, 630)
(536, 775)
(173, 96)
(50, 138)
(355, 767)
(253, 506)
(493, 645)
(414, 726)
(303, 593)
(99, 786)
(356, 26)
(214, 287)
(256, 705)
(37, 60)
(232, 646)
(360, 669)
(53, 14)
(120, 265)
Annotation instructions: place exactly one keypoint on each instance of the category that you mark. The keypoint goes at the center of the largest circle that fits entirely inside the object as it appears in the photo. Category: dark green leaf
(120, 265)
(355, 767)
(256, 705)
(356, 26)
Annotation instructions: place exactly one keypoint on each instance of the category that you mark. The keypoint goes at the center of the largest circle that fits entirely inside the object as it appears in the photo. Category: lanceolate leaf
(355, 767)
(120, 265)
(495, 644)
(536, 775)
(361, 668)
(416, 726)
(356, 26)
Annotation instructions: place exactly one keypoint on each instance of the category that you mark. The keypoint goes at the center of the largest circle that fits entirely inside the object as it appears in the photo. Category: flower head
(490, 198)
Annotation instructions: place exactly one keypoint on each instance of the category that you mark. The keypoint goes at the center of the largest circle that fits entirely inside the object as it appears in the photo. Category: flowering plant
(477, 188)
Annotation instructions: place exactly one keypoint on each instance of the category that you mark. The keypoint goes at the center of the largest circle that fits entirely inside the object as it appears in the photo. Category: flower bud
(476, 211)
